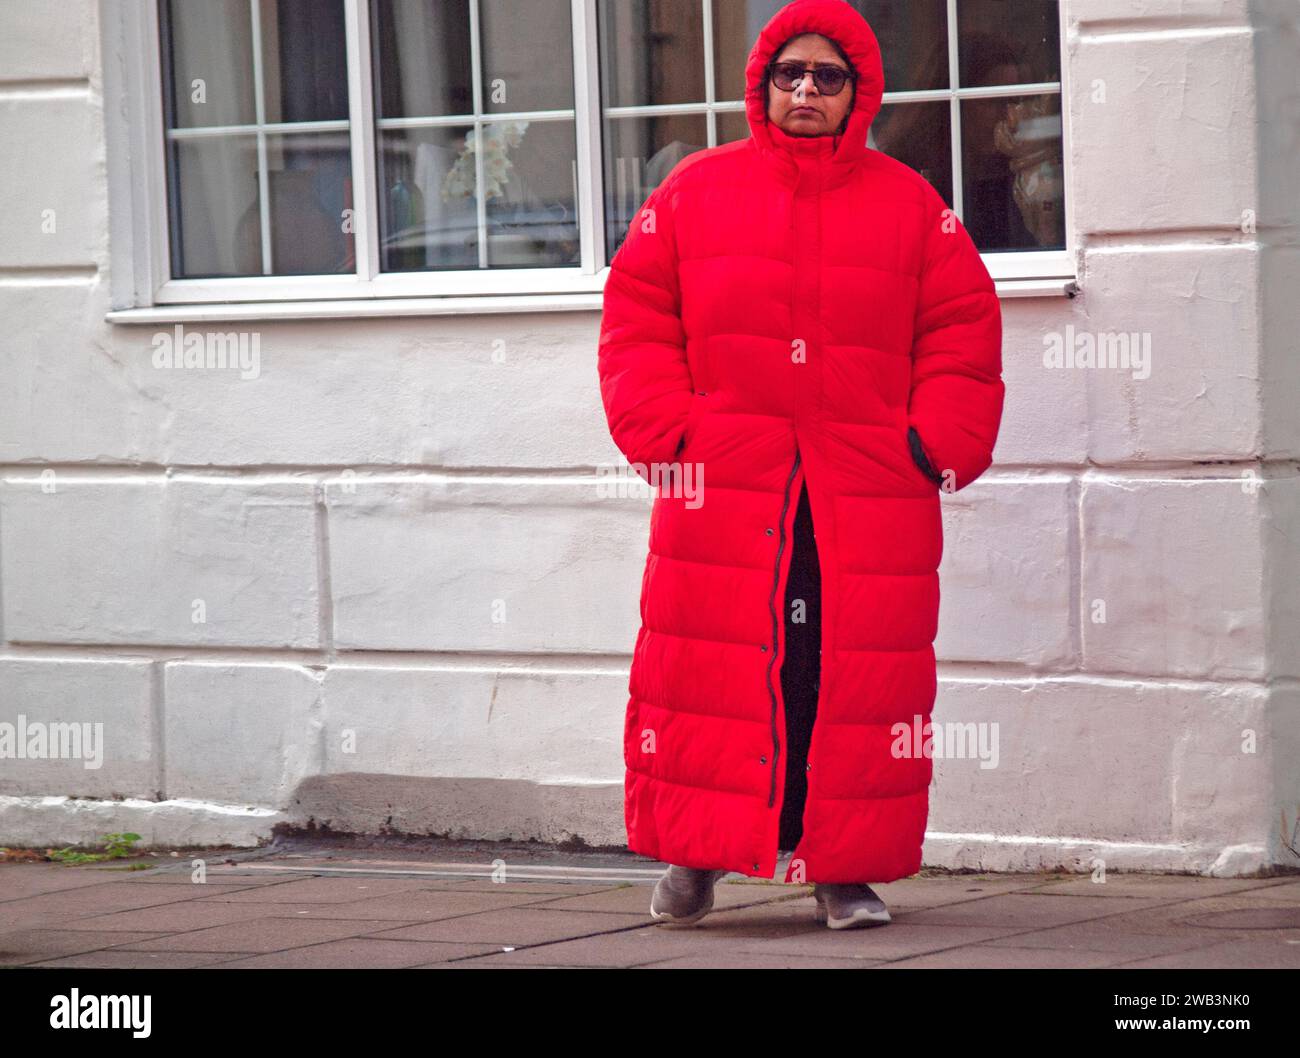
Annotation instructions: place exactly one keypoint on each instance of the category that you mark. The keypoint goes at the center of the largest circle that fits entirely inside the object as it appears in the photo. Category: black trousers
(801, 669)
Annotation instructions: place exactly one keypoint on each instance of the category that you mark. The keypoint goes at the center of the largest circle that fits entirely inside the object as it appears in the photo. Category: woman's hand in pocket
(920, 458)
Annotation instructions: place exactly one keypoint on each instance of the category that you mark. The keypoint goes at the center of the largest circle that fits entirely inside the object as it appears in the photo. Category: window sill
(475, 305)
(355, 308)
(1055, 287)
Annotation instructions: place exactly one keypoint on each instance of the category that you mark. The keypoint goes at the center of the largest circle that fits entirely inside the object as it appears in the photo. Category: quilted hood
(838, 21)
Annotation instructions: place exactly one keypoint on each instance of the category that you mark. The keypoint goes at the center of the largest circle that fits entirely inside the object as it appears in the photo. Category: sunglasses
(829, 78)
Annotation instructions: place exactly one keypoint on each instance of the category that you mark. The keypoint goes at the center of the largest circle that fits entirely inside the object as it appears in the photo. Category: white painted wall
(350, 519)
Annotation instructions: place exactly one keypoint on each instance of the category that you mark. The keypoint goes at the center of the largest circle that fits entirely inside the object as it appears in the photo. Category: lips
(804, 110)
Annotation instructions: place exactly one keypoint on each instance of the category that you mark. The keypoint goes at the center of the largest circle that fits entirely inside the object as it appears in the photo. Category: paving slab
(183, 916)
(68, 905)
(30, 879)
(1026, 910)
(756, 961)
(24, 946)
(258, 935)
(318, 890)
(917, 893)
(1167, 886)
(635, 899)
(1264, 953)
(116, 959)
(627, 948)
(897, 940)
(373, 953)
(416, 905)
(516, 927)
(1286, 891)
(983, 957)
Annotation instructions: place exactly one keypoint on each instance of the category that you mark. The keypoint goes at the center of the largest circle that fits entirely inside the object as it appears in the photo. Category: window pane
(652, 54)
(428, 167)
(207, 61)
(1008, 42)
(216, 224)
(429, 214)
(913, 41)
(227, 147)
(1012, 173)
(527, 55)
(652, 51)
(732, 125)
(422, 228)
(735, 28)
(310, 190)
(421, 57)
(532, 178)
(920, 136)
(304, 59)
(639, 153)
(424, 51)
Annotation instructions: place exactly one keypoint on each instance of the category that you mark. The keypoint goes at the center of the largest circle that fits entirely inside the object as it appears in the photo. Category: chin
(806, 128)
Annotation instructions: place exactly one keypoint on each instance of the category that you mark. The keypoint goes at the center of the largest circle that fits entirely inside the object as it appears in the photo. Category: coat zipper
(776, 580)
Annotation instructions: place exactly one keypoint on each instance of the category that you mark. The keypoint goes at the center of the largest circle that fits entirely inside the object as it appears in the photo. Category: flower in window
(498, 139)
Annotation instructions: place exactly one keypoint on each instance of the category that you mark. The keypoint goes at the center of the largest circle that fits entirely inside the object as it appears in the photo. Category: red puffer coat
(789, 311)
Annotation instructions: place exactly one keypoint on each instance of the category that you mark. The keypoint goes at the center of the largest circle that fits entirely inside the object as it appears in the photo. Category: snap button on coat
(757, 245)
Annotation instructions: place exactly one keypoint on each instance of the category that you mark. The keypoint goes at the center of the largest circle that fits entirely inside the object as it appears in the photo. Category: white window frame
(144, 291)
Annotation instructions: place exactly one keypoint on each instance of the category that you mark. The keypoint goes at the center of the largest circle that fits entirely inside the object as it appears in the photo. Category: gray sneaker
(684, 895)
(849, 906)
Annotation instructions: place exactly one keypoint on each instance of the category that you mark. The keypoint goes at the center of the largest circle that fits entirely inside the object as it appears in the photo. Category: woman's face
(805, 111)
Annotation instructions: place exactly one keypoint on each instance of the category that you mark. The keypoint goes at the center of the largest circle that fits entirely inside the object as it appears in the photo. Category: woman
(798, 325)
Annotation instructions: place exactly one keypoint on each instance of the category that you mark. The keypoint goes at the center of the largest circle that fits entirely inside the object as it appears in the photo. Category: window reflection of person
(918, 135)
(988, 206)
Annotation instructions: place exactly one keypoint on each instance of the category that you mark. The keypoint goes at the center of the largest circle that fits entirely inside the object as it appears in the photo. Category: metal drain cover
(1249, 918)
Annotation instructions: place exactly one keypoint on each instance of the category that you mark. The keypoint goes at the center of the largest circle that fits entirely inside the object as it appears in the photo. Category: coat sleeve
(955, 406)
(645, 380)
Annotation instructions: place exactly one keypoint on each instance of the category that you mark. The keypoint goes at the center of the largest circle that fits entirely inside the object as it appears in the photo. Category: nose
(805, 90)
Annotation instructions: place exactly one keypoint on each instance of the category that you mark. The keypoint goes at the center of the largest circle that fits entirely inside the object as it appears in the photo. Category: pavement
(316, 904)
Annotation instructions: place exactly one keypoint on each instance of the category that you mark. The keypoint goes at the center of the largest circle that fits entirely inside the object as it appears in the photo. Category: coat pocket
(698, 408)
(920, 458)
